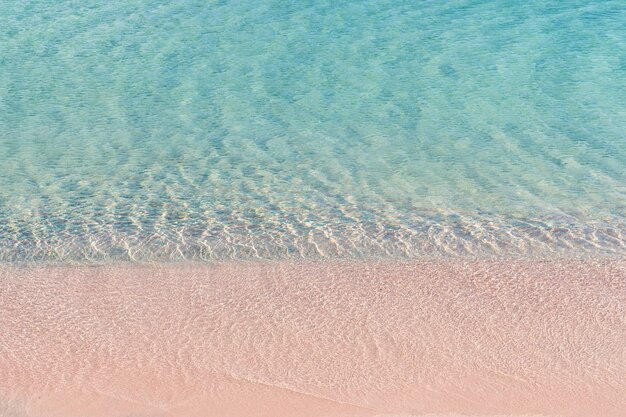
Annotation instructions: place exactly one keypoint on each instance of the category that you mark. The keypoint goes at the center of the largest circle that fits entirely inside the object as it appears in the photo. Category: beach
(315, 338)
(308, 208)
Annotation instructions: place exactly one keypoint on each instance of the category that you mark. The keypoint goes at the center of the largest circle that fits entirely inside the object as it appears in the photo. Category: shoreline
(315, 338)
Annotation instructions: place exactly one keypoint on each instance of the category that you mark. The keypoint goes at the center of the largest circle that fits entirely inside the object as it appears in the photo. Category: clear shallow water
(158, 130)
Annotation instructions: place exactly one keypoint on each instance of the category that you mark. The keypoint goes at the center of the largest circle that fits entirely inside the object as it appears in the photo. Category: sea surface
(164, 130)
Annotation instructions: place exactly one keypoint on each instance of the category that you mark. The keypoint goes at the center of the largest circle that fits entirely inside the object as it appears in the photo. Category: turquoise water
(166, 130)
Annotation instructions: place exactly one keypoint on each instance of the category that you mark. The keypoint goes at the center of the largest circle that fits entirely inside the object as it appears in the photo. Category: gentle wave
(419, 238)
(176, 130)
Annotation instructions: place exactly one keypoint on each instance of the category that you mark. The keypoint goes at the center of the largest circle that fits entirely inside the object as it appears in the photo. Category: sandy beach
(445, 338)
(312, 208)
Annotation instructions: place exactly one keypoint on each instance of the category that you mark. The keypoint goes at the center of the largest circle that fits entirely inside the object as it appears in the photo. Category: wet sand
(445, 338)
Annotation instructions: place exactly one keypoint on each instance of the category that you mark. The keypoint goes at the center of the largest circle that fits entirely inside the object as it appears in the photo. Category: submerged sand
(315, 339)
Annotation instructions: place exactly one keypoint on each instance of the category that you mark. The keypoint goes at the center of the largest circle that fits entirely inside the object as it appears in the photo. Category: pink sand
(315, 339)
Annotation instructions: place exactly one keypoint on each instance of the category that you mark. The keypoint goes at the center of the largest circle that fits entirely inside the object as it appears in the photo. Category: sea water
(156, 130)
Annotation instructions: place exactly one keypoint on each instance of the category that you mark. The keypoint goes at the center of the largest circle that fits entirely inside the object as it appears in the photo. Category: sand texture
(445, 338)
